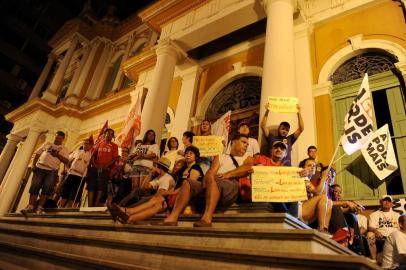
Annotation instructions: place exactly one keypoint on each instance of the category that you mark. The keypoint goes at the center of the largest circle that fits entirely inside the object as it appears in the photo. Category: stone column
(156, 102)
(17, 172)
(74, 97)
(7, 153)
(117, 80)
(78, 72)
(184, 107)
(93, 91)
(42, 78)
(10, 167)
(51, 94)
(279, 78)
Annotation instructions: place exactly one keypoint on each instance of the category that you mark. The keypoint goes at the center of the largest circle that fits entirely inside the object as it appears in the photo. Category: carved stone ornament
(356, 67)
(239, 94)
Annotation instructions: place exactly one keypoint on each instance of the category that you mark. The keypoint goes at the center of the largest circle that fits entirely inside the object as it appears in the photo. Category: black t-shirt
(183, 174)
(289, 140)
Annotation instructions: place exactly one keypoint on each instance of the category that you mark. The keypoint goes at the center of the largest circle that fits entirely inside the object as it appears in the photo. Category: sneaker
(27, 210)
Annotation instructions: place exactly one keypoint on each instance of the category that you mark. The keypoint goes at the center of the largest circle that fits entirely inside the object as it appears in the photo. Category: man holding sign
(283, 131)
(221, 179)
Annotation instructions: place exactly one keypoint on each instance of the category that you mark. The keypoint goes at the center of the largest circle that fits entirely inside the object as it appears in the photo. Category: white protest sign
(358, 125)
(379, 153)
(277, 184)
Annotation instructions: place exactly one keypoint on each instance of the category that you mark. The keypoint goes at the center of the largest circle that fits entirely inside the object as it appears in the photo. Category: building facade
(192, 60)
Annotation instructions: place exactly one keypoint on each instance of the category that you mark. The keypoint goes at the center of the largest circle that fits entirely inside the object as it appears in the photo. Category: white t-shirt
(165, 182)
(46, 161)
(395, 244)
(80, 160)
(146, 149)
(252, 149)
(226, 163)
(384, 222)
(362, 221)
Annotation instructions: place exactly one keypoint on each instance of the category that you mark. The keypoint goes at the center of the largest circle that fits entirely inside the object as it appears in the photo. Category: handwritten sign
(283, 104)
(209, 145)
(277, 184)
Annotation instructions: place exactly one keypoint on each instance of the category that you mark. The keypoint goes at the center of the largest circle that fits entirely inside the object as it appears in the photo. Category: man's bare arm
(300, 129)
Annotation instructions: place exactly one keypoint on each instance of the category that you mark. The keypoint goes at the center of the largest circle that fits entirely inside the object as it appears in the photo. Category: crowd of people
(140, 183)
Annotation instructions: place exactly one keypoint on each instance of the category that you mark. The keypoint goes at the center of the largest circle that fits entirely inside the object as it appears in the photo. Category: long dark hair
(144, 140)
(169, 143)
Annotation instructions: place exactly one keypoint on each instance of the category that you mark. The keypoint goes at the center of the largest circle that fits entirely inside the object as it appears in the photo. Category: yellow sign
(277, 184)
(209, 145)
(283, 104)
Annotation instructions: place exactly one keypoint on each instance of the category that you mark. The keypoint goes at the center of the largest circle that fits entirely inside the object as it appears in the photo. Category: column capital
(13, 138)
(190, 73)
(169, 47)
(267, 3)
(322, 89)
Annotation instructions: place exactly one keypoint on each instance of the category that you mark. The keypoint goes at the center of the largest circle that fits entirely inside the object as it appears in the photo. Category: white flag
(379, 153)
(222, 126)
(358, 125)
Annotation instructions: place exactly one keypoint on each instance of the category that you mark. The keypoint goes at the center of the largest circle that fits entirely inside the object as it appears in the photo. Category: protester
(117, 176)
(394, 251)
(221, 179)
(45, 168)
(312, 154)
(104, 157)
(283, 131)
(381, 224)
(185, 170)
(172, 153)
(78, 162)
(205, 130)
(253, 146)
(187, 140)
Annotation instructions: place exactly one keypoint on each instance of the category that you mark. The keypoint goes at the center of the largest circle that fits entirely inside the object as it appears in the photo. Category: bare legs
(318, 207)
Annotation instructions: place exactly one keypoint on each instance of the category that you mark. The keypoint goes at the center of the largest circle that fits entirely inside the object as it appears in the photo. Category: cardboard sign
(283, 104)
(358, 125)
(379, 153)
(277, 184)
(209, 145)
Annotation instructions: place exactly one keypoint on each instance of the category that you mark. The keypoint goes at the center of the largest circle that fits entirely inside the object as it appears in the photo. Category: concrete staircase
(248, 237)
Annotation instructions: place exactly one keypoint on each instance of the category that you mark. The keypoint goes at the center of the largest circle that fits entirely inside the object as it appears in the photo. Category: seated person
(221, 179)
(185, 170)
(381, 224)
(318, 206)
(253, 146)
(394, 251)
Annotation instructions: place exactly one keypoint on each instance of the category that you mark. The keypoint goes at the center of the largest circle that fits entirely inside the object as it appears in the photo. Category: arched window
(242, 96)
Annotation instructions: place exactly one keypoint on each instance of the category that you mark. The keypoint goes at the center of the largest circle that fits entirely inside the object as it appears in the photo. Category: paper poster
(283, 104)
(277, 184)
(209, 145)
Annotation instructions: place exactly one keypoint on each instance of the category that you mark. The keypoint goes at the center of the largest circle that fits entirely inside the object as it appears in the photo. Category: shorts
(228, 192)
(70, 187)
(139, 170)
(98, 179)
(43, 180)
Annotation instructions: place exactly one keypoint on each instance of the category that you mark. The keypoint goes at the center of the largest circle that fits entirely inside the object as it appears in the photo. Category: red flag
(100, 137)
(132, 126)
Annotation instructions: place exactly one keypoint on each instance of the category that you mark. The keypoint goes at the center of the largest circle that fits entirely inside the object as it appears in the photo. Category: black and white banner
(379, 153)
(358, 125)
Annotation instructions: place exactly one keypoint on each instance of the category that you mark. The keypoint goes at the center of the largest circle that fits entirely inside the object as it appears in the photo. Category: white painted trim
(222, 82)
(347, 52)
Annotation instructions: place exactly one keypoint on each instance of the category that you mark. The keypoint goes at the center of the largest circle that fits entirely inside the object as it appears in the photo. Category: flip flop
(121, 216)
(202, 224)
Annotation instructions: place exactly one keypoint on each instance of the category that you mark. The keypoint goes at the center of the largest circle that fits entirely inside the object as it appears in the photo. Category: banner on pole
(358, 125)
(277, 184)
(379, 153)
(132, 125)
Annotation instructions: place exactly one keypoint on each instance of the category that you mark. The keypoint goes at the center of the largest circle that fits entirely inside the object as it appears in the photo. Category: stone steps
(239, 240)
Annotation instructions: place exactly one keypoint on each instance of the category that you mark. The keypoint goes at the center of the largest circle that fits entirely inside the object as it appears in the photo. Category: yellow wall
(384, 21)
(214, 71)
(175, 91)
